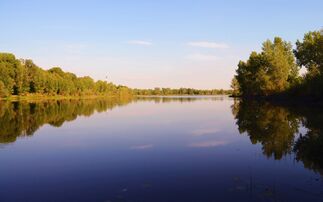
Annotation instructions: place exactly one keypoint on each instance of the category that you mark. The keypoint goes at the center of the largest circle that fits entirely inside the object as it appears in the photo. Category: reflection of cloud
(207, 44)
(140, 42)
(206, 131)
(145, 146)
(211, 143)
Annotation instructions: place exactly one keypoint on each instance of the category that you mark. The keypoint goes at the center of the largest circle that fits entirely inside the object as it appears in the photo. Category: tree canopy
(271, 71)
(274, 71)
(179, 91)
(23, 77)
(309, 52)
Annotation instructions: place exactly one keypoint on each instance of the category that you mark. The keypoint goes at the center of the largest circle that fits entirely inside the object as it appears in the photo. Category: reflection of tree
(182, 99)
(309, 147)
(24, 118)
(275, 126)
(272, 126)
(309, 150)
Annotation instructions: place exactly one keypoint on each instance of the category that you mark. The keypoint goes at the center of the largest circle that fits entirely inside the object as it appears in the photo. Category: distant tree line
(23, 77)
(180, 91)
(181, 99)
(275, 70)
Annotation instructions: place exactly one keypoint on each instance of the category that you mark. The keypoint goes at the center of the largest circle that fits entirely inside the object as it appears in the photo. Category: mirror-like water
(160, 149)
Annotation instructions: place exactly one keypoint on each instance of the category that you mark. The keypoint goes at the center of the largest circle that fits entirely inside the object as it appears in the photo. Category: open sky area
(146, 44)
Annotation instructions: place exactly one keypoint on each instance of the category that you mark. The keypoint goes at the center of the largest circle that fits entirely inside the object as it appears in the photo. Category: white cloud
(140, 42)
(202, 57)
(207, 44)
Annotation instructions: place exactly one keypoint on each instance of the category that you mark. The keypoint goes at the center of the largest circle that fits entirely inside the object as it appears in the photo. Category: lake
(160, 149)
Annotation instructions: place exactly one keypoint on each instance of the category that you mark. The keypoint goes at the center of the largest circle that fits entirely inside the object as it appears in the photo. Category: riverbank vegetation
(275, 70)
(22, 79)
(180, 91)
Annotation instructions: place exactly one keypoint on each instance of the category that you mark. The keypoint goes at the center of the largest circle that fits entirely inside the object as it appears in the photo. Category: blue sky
(147, 44)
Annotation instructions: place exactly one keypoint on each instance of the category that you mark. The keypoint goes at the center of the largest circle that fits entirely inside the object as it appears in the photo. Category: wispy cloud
(140, 147)
(202, 57)
(212, 143)
(207, 44)
(140, 42)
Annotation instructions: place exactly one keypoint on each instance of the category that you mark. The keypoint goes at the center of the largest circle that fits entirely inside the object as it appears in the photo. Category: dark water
(160, 149)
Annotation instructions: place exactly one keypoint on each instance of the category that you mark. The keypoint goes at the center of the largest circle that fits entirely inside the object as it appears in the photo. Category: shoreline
(157, 96)
(57, 97)
(284, 100)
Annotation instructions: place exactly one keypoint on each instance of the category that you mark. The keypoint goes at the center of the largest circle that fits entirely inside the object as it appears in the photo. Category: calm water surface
(160, 149)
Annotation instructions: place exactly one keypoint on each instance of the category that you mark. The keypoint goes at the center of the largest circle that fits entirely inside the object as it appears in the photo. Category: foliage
(180, 91)
(274, 72)
(235, 87)
(23, 77)
(271, 71)
(309, 52)
(3, 90)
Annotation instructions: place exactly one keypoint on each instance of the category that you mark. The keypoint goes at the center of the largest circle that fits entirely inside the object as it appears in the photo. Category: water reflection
(167, 99)
(309, 147)
(276, 128)
(160, 149)
(26, 117)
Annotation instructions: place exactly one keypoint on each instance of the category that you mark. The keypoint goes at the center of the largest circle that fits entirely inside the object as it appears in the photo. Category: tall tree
(271, 71)
(309, 52)
(235, 86)
(3, 90)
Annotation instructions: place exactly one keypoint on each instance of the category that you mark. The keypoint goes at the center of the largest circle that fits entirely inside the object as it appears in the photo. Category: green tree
(309, 52)
(3, 90)
(249, 75)
(235, 87)
(271, 71)
(8, 71)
